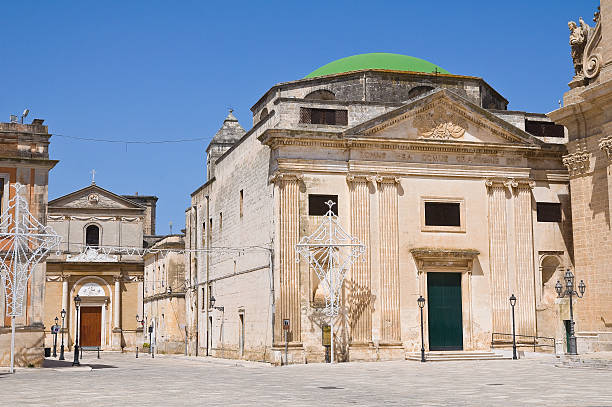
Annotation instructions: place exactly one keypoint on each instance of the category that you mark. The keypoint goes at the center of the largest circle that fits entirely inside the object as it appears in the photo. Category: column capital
(605, 144)
(509, 183)
(117, 279)
(577, 162)
(280, 176)
(387, 179)
(359, 178)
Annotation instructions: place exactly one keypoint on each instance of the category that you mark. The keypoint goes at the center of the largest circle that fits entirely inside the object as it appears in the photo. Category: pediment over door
(443, 116)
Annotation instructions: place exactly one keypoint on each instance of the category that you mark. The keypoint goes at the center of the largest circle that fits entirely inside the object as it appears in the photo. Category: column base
(362, 352)
(391, 351)
(117, 339)
(295, 354)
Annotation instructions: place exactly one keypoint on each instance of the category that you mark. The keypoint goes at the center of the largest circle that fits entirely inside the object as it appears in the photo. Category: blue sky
(158, 70)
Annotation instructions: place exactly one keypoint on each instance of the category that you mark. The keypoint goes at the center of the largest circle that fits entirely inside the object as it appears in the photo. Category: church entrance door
(91, 326)
(444, 311)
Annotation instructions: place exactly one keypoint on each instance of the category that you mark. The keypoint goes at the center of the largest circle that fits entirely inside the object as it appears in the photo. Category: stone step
(457, 356)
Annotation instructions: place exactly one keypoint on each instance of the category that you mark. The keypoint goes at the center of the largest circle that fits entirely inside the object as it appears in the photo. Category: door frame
(447, 261)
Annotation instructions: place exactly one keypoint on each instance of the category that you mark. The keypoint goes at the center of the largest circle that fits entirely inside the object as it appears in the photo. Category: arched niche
(321, 94)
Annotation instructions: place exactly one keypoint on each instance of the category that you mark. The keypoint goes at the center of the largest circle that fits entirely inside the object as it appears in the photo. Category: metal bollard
(98, 352)
(136, 352)
(81, 349)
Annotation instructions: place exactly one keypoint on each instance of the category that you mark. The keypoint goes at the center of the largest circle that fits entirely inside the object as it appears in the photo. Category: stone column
(498, 255)
(389, 260)
(65, 293)
(359, 284)
(524, 268)
(289, 221)
(116, 336)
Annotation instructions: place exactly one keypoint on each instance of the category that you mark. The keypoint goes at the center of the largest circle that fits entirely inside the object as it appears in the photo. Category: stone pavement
(121, 380)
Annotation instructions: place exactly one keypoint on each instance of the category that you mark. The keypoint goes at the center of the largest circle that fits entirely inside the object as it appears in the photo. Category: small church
(110, 285)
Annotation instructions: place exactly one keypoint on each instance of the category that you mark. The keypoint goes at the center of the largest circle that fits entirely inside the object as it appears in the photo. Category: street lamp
(421, 302)
(513, 303)
(77, 304)
(569, 291)
(212, 304)
(63, 314)
(55, 329)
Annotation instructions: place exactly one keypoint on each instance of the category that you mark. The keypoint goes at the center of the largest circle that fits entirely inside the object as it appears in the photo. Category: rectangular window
(544, 129)
(241, 202)
(210, 229)
(549, 212)
(203, 298)
(220, 221)
(323, 116)
(317, 204)
(442, 214)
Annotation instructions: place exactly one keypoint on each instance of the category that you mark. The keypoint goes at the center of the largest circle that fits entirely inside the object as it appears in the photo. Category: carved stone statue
(578, 38)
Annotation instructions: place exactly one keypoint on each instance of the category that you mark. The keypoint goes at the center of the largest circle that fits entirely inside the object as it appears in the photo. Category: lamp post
(55, 329)
(77, 304)
(569, 291)
(421, 302)
(212, 304)
(513, 303)
(63, 314)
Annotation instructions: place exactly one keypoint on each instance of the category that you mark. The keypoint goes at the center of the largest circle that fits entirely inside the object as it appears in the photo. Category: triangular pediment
(94, 197)
(443, 116)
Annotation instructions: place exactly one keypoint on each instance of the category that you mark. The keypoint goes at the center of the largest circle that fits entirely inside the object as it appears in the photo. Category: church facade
(110, 284)
(456, 198)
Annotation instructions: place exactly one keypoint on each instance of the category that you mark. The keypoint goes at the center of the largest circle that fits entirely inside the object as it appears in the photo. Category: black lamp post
(513, 303)
(569, 291)
(421, 302)
(63, 314)
(55, 329)
(77, 304)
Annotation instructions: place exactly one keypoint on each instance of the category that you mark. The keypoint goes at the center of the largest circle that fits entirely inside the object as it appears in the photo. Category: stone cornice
(435, 145)
(431, 252)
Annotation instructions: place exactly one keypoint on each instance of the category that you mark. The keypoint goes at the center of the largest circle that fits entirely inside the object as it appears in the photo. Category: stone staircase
(446, 356)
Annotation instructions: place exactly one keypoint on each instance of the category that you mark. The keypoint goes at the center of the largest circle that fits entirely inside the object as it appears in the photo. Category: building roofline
(361, 71)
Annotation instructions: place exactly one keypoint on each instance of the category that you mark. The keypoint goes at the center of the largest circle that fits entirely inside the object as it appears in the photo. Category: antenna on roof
(24, 114)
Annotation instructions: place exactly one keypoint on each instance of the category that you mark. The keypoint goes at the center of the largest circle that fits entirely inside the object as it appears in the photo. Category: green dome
(378, 60)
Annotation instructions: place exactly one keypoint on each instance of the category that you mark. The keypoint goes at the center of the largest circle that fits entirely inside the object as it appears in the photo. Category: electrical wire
(187, 140)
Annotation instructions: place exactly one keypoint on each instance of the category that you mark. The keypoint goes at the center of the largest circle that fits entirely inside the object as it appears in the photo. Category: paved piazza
(121, 380)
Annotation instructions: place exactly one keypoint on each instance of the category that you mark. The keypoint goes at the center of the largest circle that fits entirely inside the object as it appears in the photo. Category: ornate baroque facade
(586, 115)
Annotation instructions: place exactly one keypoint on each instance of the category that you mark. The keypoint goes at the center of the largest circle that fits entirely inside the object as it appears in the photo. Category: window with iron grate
(323, 116)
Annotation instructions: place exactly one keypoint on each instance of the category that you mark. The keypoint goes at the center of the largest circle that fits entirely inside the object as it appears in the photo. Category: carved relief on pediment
(440, 123)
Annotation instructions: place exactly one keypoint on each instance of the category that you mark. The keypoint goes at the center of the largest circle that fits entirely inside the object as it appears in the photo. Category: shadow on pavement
(55, 364)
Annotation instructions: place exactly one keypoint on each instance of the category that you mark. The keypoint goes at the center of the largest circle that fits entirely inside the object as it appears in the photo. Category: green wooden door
(444, 311)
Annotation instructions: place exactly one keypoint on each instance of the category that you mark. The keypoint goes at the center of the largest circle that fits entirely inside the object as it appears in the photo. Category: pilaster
(498, 255)
(289, 296)
(524, 268)
(359, 284)
(389, 260)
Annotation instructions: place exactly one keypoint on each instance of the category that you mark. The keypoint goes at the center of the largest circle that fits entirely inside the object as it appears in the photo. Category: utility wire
(188, 140)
